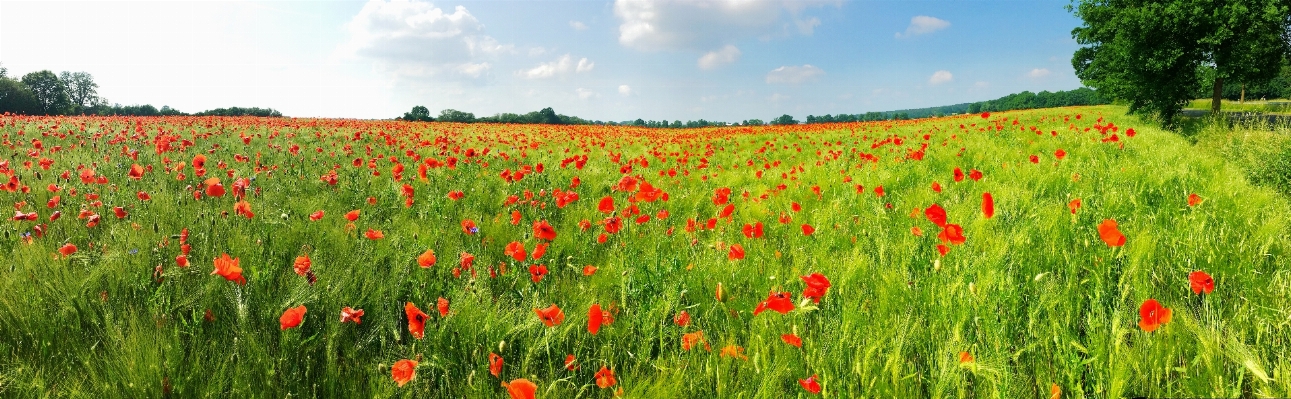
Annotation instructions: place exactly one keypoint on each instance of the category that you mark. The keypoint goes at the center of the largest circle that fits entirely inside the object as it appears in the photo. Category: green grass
(1034, 294)
(1268, 106)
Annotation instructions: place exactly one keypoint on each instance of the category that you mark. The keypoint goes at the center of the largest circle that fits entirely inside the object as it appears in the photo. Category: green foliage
(16, 98)
(239, 111)
(82, 92)
(418, 114)
(452, 115)
(1153, 54)
(785, 119)
(50, 92)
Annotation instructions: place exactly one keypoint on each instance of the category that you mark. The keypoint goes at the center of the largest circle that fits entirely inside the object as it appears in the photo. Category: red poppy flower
(467, 260)
(374, 234)
(521, 389)
(551, 316)
(537, 272)
(682, 319)
(936, 187)
(810, 384)
(606, 205)
(350, 216)
(1110, 234)
(965, 357)
(1060, 154)
(119, 211)
(442, 306)
(1074, 205)
(1201, 281)
(752, 230)
(1194, 199)
(416, 320)
(1152, 315)
(214, 188)
(243, 208)
(469, 227)
(426, 259)
(807, 229)
(792, 339)
(228, 268)
(540, 250)
(143, 196)
(975, 175)
(67, 249)
(515, 217)
(953, 234)
(301, 264)
(736, 253)
(350, 314)
(292, 317)
(959, 175)
(605, 378)
(589, 270)
(689, 340)
(936, 215)
(594, 319)
(403, 371)
(516, 251)
(781, 302)
(817, 285)
(316, 216)
(988, 205)
(543, 231)
(495, 364)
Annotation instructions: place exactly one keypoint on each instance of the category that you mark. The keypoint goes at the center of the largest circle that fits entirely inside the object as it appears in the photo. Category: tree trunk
(1242, 99)
(1217, 95)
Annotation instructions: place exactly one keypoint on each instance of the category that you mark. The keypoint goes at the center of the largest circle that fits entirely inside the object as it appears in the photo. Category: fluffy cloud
(940, 77)
(715, 59)
(794, 74)
(707, 24)
(577, 25)
(625, 90)
(923, 24)
(1038, 73)
(561, 66)
(417, 38)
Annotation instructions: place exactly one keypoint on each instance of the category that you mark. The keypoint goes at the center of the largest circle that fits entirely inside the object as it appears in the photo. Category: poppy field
(1069, 252)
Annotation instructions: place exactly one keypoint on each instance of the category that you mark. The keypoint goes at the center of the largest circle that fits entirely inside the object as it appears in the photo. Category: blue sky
(725, 60)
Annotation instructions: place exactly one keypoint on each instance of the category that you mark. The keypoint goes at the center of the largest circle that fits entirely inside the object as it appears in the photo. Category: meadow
(1000, 255)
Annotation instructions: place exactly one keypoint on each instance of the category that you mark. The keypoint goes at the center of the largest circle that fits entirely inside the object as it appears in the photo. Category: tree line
(76, 93)
(1023, 100)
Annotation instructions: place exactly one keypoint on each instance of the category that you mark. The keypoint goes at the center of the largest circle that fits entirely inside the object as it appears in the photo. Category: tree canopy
(1155, 54)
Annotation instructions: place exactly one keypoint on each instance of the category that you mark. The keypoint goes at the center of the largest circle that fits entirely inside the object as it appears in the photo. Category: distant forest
(76, 93)
(1023, 100)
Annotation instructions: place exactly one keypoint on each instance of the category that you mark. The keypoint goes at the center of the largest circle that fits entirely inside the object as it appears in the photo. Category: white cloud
(561, 66)
(807, 26)
(584, 65)
(714, 59)
(585, 93)
(706, 24)
(577, 25)
(1038, 73)
(625, 90)
(982, 84)
(794, 74)
(940, 77)
(417, 38)
(923, 24)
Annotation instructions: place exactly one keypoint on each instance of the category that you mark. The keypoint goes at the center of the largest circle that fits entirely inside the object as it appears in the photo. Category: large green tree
(82, 92)
(1154, 53)
(50, 92)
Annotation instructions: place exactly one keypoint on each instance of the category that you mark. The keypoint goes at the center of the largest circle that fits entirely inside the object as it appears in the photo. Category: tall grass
(1033, 294)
